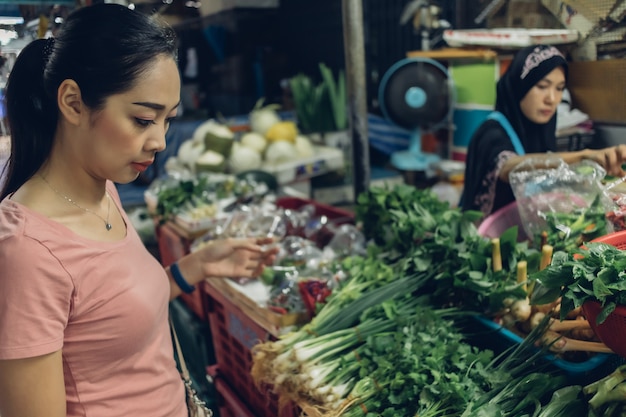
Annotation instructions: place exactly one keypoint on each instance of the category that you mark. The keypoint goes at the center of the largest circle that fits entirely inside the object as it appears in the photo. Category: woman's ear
(70, 101)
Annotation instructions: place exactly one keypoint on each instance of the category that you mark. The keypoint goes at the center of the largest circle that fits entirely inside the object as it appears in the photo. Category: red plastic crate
(232, 405)
(228, 403)
(234, 333)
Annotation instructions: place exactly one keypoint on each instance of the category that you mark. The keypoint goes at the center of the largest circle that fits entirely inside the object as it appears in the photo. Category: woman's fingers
(615, 158)
(611, 159)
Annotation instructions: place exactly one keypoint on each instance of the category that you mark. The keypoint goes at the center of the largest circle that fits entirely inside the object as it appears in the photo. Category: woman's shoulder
(12, 219)
(490, 128)
(19, 223)
(488, 134)
(24, 237)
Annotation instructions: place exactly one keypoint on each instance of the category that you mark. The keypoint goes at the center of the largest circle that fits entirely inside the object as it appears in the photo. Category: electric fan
(416, 94)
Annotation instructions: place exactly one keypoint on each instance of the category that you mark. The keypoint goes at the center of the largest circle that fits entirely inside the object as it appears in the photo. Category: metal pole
(354, 47)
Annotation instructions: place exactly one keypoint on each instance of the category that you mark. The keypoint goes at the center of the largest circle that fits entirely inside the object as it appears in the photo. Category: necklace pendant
(108, 226)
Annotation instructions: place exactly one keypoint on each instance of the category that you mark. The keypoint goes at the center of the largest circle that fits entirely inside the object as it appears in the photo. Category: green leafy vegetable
(320, 107)
(596, 271)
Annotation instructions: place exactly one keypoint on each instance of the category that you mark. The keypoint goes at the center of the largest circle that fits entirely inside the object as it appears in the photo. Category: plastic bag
(557, 198)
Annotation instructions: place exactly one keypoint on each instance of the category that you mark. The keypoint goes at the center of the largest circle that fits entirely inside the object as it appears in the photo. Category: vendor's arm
(32, 387)
(224, 258)
(611, 159)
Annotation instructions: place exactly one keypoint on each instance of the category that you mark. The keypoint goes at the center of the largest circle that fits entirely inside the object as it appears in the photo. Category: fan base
(413, 161)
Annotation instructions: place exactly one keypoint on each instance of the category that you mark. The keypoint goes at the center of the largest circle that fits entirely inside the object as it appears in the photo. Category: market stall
(452, 296)
(241, 314)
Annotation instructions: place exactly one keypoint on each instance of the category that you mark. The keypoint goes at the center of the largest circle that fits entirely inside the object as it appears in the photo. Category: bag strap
(179, 352)
(504, 122)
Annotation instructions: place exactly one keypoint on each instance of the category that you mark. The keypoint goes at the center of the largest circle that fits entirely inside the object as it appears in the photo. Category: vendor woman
(528, 94)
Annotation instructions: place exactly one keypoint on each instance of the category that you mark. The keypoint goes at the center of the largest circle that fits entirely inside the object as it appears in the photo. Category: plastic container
(612, 330)
(599, 365)
(617, 239)
(497, 223)
(234, 334)
(230, 404)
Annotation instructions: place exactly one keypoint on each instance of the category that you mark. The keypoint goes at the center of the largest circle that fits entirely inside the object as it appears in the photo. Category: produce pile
(202, 197)
(392, 340)
(215, 147)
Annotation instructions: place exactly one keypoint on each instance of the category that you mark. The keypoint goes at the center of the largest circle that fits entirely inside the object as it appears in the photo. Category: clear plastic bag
(552, 194)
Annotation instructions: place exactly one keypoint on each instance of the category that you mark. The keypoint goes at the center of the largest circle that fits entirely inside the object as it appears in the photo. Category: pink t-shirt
(105, 304)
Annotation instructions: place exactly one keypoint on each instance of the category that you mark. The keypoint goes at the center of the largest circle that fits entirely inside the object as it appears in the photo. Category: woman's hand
(236, 257)
(611, 159)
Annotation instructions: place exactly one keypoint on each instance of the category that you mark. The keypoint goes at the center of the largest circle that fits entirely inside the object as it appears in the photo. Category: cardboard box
(598, 87)
(209, 7)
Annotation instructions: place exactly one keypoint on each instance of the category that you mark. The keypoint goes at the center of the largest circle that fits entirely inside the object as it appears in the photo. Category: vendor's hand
(611, 159)
(236, 257)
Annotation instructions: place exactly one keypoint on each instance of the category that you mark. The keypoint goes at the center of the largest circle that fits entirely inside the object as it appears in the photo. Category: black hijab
(529, 66)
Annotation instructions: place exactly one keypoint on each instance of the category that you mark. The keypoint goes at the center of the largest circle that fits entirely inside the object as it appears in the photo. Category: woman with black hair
(84, 310)
(523, 126)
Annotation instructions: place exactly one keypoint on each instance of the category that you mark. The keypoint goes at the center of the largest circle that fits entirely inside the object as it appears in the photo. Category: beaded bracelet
(180, 280)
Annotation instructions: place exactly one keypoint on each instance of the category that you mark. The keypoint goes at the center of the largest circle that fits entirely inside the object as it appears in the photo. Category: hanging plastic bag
(564, 204)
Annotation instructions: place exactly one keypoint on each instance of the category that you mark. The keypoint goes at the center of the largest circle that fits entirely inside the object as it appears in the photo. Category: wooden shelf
(454, 53)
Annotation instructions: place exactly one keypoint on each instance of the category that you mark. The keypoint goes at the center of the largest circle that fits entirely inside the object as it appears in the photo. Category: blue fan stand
(414, 159)
(415, 97)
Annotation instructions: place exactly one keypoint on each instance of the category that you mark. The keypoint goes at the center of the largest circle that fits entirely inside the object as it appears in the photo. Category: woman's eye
(169, 120)
(143, 122)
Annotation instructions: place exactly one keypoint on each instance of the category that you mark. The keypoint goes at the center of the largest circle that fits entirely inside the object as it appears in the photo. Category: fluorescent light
(11, 20)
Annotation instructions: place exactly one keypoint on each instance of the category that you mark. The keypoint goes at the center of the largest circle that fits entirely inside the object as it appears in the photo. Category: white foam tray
(509, 37)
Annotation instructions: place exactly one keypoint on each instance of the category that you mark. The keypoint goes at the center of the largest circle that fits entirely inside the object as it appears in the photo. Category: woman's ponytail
(32, 115)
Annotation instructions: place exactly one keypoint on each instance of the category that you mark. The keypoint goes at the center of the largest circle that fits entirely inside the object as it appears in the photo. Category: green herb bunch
(596, 271)
(320, 107)
(567, 231)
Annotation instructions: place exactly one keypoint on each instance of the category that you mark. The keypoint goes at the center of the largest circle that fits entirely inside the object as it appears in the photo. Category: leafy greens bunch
(596, 271)
(567, 231)
(414, 228)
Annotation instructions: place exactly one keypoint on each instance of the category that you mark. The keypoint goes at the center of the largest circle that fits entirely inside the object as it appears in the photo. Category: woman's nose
(157, 140)
(551, 95)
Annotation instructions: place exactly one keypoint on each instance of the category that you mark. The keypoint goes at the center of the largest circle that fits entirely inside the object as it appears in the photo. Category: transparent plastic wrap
(564, 205)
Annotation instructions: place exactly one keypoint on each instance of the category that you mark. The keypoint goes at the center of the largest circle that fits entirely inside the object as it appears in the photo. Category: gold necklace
(107, 224)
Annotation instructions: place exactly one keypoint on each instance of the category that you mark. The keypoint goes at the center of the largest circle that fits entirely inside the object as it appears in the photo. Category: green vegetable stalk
(321, 107)
(610, 389)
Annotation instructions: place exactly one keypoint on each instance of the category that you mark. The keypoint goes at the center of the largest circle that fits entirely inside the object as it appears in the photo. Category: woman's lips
(141, 166)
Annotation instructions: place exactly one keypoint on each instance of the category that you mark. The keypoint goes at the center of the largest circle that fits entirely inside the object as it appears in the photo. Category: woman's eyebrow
(154, 106)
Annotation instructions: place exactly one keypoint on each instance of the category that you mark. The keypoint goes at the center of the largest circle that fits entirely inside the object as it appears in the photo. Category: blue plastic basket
(598, 366)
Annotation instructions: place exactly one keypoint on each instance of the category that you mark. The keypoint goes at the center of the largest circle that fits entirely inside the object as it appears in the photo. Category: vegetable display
(567, 231)
(389, 340)
(596, 271)
(601, 398)
(374, 348)
(197, 197)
